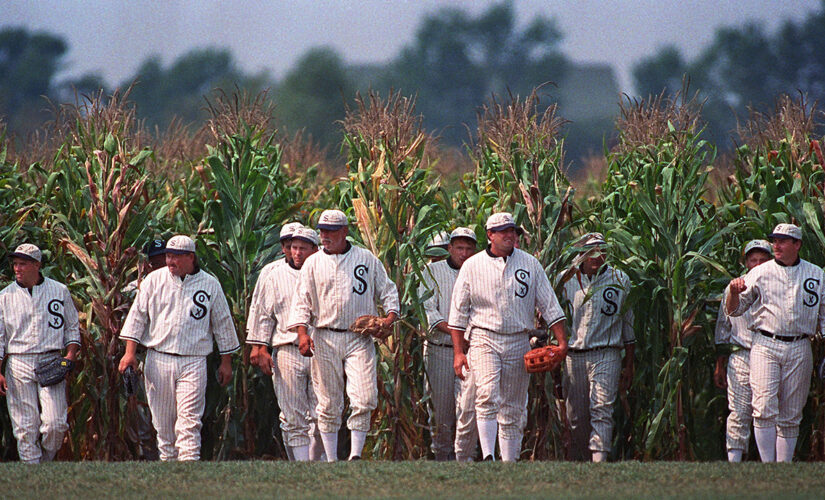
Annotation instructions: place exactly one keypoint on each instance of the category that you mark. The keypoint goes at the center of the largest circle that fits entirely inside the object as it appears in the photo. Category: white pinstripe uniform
(183, 317)
(495, 299)
(291, 375)
(784, 301)
(334, 290)
(441, 383)
(599, 331)
(34, 327)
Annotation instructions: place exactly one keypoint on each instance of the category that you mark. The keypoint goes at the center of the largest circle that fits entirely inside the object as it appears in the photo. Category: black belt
(168, 353)
(439, 345)
(577, 351)
(339, 330)
(783, 338)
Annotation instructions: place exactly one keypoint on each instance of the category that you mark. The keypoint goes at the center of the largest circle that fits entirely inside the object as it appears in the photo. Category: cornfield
(94, 186)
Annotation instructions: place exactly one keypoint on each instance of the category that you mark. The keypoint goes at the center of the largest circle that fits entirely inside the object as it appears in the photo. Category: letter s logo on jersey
(609, 295)
(55, 309)
(358, 273)
(521, 277)
(199, 299)
(810, 285)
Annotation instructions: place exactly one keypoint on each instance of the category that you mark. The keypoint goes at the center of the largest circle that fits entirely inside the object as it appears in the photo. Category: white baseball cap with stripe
(762, 245)
(786, 231)
(500, 221)
(28, 251)
(463, 232)
(288, 229)
(180, 244)
(306, 234)
(332, 220)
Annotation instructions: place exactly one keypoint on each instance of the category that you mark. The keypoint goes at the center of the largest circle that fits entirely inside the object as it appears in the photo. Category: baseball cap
(758, 245)
(591, 240)
(154, 247)
(500, 221)
(463, 232)
(28, 251)
(288, 229)
(786, 231)
(332, 220)
(441, 239)
(180, 244)
(306, 234)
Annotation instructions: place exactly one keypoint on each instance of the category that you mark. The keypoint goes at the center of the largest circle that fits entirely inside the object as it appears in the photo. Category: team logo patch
(358, 273)
(55, 309)
(199, 299)
(609, 295)
(524, 286)
(812, 298)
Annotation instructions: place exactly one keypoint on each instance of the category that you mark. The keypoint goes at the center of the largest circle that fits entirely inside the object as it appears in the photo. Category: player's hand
(126, 361)
(306, 345)
(225, 371)
(626, 379)
(265, 362)
(459, 364)
(720, 378)
(737, 286)
(3, 386)
(465, 346)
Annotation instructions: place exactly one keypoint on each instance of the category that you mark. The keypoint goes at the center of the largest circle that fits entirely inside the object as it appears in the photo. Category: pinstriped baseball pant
(443, 387)
(466, 430)
(738, 431)
(337, 354)
(176, 393)
(591, 385)
(37, 413)
(497, 361)
(780, 380)
(296, 398)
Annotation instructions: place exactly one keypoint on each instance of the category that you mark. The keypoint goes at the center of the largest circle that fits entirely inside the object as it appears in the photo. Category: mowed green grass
(412, 480)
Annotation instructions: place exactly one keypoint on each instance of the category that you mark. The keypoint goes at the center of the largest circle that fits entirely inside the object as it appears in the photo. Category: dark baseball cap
(154, 247)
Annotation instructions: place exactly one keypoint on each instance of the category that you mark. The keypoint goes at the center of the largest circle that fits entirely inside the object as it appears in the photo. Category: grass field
(413, 480)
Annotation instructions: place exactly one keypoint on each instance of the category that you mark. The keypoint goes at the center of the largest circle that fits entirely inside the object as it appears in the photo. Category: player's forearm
(731, 303)
(458, 339)
(629, 353)
(71, 351)
(557, 329)
(131, 348)
(443, 328)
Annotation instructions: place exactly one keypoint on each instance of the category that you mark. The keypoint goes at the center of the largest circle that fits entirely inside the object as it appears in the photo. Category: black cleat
(355, 458)
(488, 458)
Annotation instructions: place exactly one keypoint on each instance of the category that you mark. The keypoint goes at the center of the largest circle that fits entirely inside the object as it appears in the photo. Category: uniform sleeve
(434, 316)
(71, 331)
(723, 323)
(748, 297)
(385, 291)
(628, 335)
(546, 301)
(221, 324)
(820, 325)
(266, 320)
(253, 335)
(460, 301)
(300, 311)
(137, 320)
(2, 334)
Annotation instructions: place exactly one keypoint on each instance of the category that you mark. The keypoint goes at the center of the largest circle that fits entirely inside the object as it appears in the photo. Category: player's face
(502, 242)
(157, 261)
(786, 250)
(755, 258)
(461, 249)
(300, 251)
(26, 271)
(334, 241)
(180, 264)
(286, 247)
(593, 262)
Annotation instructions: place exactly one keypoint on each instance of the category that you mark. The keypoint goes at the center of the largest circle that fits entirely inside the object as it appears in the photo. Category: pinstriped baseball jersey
(183, 315)
(254, 315)
(277, 289)
(597, 304)
(785, 300)
(335, 289)
(45, 320)
(501, 295)
(733, 329)
(440, 278)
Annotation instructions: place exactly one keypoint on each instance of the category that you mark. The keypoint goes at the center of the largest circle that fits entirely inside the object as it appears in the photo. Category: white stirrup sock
(766, 442)
(289, 455)
(357, 439)
(599, 456)
(510, 449)
(785, 448)
(300, 453)
(487, 430)
(330, 440)
(316, 448)
(734, 455)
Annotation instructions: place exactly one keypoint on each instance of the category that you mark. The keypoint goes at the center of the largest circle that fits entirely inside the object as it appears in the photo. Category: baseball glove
(368, 325)
(130, 381)
(53, 371)
(543, 359)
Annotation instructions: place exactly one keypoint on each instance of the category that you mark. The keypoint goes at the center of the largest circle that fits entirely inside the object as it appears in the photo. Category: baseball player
(185, 309)
(495, 299)
(441, 383)
(785, 299)
(596, 293)
(291, 375)
(155, 252)
(37, 321)
(337, 286)
(436, 249)
(733, 342)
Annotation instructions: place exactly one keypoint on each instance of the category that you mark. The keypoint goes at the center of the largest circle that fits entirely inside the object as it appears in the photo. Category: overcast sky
(113, 37)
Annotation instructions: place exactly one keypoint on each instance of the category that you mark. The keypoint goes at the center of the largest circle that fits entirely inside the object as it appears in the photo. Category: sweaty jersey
(784, 300)
(37, 322)
(440, 278)
(276, 290)
(254, 314)
(183, 316)
(733, 329)
(335, 289)
(502, 295)
(596, 310)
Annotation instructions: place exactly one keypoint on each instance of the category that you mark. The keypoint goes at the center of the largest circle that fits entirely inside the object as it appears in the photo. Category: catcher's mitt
(53, 371)
(130, 381)
(543, 359)
(368, 325)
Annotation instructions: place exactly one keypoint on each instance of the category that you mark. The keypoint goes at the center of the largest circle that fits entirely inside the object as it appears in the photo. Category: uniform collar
(346, 249)
(292, 265)
(40, 281)
(494, 256)
(796, 263)
(452, 264)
